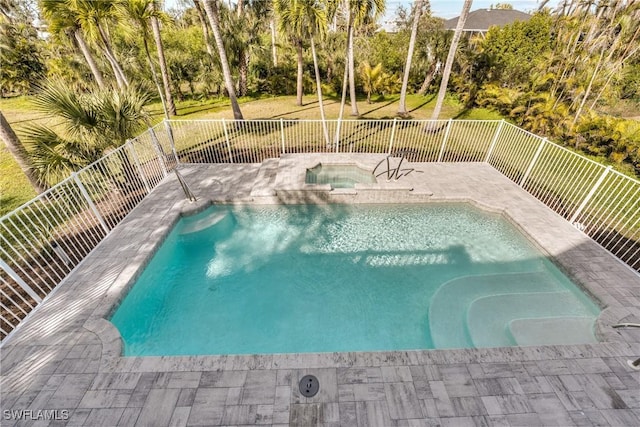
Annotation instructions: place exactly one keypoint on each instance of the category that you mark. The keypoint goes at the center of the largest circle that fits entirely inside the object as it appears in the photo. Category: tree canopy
(564, 73)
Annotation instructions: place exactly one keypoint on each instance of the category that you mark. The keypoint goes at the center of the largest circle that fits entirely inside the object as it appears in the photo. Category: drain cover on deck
(309, 386)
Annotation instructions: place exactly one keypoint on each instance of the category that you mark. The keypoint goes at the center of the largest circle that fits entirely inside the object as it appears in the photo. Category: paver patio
(66, 356)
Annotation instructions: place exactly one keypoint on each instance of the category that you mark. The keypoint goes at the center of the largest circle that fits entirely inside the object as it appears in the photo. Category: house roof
(480, 20)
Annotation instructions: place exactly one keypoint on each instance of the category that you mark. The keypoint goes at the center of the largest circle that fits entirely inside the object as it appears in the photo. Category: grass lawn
(15, 189)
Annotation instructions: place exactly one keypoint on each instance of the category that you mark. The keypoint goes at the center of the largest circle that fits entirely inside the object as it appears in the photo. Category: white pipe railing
(45, 239)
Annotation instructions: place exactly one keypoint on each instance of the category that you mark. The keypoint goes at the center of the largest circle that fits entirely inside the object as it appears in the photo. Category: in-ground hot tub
(339, 176)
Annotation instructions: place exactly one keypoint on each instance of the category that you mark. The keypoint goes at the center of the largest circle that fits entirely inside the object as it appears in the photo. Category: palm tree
(155, 26)
(306, 19)
(211, 8)
(242, 33)
(88, 125)
(371, 78)
(140, 13)
(61, 21)
(205, 28)
(402, 108)
(18, 152)
(274, 51)
(618, 36)
(359, 11)
(91, 16)
(299, 46)
(450, 57)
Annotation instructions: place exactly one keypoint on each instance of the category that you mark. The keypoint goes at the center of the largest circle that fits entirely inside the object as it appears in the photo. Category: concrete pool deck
(67, 357)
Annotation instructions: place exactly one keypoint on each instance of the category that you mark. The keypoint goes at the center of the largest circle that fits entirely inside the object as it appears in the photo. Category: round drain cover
(309, 386)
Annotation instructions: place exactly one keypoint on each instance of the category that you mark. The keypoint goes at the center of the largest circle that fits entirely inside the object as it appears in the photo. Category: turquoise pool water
(313, 278)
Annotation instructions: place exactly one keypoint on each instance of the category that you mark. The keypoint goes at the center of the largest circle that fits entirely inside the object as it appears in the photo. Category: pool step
(448, 308)
(552, 330)
(221, 220)
(264, 184)
(489, 318)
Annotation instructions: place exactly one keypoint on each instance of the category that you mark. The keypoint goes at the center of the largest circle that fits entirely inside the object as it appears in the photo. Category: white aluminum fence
(46, 238)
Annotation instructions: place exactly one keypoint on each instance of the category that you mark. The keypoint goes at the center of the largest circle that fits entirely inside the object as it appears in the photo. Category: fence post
(338, 128)
(159, 152)
(494, 141)
(137, 162)
(282, 134)
(593, 190)
(226, 136)
(393, 135)
(90, 202)
(533, 162)
(444, 140)
(19, 281)
(167, 127)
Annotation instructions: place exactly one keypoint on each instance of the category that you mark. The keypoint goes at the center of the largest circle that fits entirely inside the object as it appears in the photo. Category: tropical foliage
(90, 124)
(564, 73)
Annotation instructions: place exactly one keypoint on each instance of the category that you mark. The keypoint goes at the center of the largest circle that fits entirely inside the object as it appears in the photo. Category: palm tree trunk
(111, 57)
(319, 89)
(243, 71)
(300, 71)
(155, 26)
(154, 75)
(18, 152)
(114, 68)
(427, 80)
(450, 57)
(343, 100)
(82, 44)
(274, 52)
(587, 92)
(211, 8)
(632, 47)
(402, 108)
(205, 27)
(352, 78)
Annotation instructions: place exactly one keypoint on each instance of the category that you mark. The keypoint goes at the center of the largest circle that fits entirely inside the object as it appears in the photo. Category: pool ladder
(634, 364)
(185, 187)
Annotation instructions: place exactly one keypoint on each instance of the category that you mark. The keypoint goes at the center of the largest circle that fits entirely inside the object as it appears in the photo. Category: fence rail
(45, 239)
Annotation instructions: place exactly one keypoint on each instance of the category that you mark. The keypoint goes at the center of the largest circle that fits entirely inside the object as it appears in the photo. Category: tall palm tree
(359, 12)
(274, 49)
(140, 13)
(297, 42)
(155, 26)
(450, 57)
(92, 16)
(306, 20)
(61, 21)
(417, 13)
(205, 28)
(211, 9)
(242, 34)
(18, 152)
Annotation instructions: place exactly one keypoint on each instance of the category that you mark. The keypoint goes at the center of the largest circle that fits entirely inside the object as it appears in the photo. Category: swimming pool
(323, 278)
